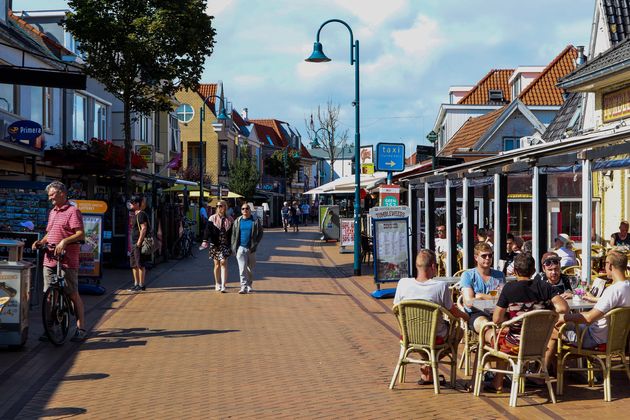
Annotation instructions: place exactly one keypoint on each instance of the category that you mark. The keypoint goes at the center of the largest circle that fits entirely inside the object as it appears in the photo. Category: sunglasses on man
(551, 263)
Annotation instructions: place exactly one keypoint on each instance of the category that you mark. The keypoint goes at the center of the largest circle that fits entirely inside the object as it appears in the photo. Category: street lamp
(318, 56)
(202, 117)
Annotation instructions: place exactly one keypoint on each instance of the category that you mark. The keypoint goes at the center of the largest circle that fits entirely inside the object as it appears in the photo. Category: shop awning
(345, 185)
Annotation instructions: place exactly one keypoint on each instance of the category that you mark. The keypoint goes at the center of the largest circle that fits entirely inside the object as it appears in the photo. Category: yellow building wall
(190, 133)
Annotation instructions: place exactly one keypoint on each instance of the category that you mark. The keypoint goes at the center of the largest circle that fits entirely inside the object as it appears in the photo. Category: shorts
(135, 258)
(71, 276)
(474, 314)
(571, 336)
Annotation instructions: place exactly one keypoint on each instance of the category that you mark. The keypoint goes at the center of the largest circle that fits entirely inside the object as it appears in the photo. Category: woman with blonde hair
(218, 236)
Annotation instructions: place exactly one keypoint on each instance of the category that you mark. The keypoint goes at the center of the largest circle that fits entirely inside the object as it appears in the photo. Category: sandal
(430, 382)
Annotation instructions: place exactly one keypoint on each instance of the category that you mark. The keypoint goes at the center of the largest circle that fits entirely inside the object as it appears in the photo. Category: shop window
(100, 120)
(571, 218)
(79, 126)
(145, 128)
(520, 218)
(9, 98)
(42, 106)
(193, 154)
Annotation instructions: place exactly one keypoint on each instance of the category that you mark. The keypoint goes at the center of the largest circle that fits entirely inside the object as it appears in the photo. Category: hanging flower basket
(93, 154)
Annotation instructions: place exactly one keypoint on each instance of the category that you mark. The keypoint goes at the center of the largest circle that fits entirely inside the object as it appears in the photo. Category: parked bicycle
(183, 247)
(57, 308)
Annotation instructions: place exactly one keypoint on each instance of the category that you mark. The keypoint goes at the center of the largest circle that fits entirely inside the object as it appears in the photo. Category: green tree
(243, 175)
(142, 51)
(284, 159)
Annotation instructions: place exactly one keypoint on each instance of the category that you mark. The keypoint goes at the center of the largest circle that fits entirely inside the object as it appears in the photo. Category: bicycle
(57, 308)
(183, 247)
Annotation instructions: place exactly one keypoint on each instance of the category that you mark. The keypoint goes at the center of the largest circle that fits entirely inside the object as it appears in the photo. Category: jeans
(246, 262)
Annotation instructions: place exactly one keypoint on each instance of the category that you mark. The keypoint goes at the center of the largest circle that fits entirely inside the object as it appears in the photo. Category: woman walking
(218, 235)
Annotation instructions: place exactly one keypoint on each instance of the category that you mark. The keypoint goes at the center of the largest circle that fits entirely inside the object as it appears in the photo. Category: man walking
(64, 231)
(246, 234)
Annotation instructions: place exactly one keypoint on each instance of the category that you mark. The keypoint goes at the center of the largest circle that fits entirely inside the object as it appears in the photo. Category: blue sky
(411, 51)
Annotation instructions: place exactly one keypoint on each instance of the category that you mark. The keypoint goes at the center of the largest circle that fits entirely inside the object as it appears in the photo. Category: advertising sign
(391, 250)
(90, 206)
(367, 168)
(390, 212)
(146, 152)
(389, 195)
(390, 157)
(9, 287)
(616, 104)
(347, 232)
(366, 154)
(91, 250)
(27, 133)
(224, 160)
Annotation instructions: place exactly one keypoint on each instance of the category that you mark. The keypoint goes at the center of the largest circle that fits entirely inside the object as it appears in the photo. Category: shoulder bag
(148, 243)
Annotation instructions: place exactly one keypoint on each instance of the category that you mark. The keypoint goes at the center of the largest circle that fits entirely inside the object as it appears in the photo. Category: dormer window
(516, 87)
(495, 95)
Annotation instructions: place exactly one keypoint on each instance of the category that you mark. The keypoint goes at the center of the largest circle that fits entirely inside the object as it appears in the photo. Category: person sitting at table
(551, 274)
(425, 288)
(563, 247)
(616, 295)
(515, 249)
(478, 283)
(621, 238)
(441, 243)
(519, 297)
(483, 236)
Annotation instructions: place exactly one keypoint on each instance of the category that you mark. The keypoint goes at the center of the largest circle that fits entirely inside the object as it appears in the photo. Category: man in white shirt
(563, 245)
(425, 288)
(441, 241)
(617, 295)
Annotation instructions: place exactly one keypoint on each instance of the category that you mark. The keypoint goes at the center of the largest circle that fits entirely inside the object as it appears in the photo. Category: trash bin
(15, 278)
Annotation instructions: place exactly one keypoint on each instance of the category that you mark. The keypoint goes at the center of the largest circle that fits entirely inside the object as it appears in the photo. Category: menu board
(91, 249)
(391, 249)
(347, 232)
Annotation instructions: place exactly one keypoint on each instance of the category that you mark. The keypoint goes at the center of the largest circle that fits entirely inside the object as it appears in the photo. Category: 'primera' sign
(26, 132)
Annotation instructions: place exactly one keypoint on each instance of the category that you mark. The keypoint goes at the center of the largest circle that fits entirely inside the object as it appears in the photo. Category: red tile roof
(471, 132)
(543, 89)
(207, 89)
(275, 126)
(238, 120)
(495, 79)
(41, 38)
(264, 131)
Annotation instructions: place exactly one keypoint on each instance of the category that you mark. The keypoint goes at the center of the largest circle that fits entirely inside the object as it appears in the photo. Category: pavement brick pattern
(308, 343)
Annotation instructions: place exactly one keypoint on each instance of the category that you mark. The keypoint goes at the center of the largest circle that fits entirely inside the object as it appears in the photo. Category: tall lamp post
(318, 56)
(202, 117)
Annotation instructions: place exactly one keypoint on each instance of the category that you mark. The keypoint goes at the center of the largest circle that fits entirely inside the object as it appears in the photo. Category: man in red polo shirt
(65, 231)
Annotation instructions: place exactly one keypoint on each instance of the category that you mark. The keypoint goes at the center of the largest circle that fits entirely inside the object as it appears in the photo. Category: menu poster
(391, 250)
(347, 232)
(91, 250)
(9, 287)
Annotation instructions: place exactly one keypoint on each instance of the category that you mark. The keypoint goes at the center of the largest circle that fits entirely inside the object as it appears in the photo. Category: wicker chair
(418, 320)
(618, 331)
(536, 330)
(471, 341)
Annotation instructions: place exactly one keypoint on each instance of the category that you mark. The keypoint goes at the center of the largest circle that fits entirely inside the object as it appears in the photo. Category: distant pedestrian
(295, 216)
(139, 230)
(218, 236)
(314, 211)
(284, 212)
(203, 217)
(246, 235)
(306, 210)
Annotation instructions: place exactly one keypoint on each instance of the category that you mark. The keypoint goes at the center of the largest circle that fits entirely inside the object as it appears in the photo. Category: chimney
(581, 58)
(244, 114)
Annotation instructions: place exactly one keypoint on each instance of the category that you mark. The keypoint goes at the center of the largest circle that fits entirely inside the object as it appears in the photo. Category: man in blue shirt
(481, 282)
(247, 232)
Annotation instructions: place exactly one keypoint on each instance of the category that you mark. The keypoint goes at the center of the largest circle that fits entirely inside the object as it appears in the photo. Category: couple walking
(224, 236)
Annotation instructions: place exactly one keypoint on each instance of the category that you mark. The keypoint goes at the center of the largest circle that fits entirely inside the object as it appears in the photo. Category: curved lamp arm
(352, 57)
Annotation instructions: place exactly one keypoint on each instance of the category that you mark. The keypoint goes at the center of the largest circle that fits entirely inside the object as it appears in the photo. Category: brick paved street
(309, 343)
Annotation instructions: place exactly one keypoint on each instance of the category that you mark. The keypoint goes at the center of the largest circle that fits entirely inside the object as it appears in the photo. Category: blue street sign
(390, 157)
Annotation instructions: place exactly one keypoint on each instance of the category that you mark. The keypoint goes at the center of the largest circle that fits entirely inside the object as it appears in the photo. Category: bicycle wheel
(56, 316)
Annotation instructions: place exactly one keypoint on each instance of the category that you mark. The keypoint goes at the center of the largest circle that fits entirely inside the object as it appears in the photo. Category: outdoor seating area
(476, 357)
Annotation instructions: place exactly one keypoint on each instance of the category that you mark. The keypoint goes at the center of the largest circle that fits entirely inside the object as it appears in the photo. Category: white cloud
(422, 39)
(218, 7)
(249, 80)
(372, 12)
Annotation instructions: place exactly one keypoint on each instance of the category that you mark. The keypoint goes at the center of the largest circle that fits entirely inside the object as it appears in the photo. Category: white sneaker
(217, 287)
(222, 289)
(243, 291)
(249, 289)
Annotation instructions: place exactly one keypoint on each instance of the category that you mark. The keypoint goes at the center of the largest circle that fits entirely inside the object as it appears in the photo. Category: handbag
(148, 243)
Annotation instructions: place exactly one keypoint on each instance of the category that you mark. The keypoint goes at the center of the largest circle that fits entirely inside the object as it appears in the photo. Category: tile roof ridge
(569, 48)
(44, 38)
(479, 83)
(471, 123)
